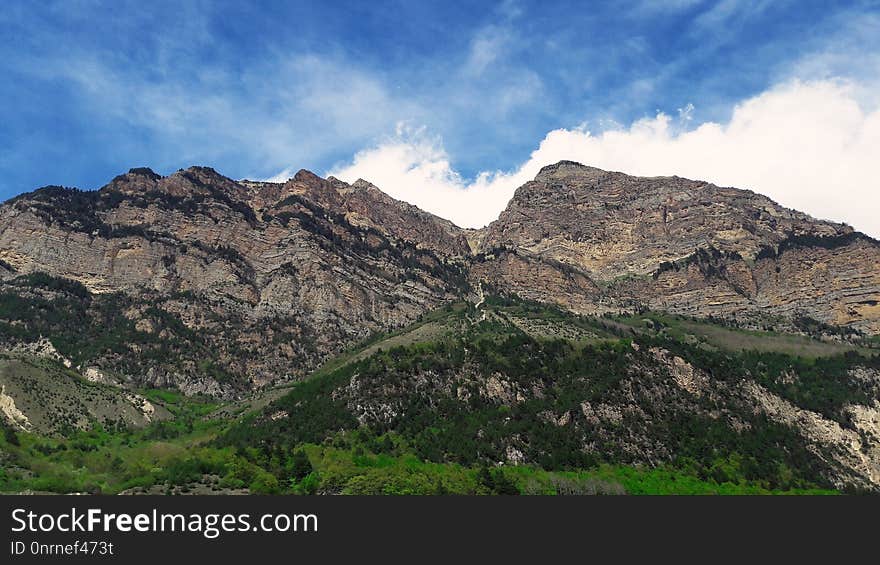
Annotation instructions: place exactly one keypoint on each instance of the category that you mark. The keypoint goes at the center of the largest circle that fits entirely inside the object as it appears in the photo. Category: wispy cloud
(486, 48)
(643, 8)
(726, 15)
(282, 109)
(291, 108)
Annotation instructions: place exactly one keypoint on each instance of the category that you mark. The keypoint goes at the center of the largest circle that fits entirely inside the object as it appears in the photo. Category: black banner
(154, 529)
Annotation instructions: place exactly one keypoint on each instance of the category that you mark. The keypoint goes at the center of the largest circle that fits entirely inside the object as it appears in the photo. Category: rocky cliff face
(272, 277)
(217, 286)
(596, 241)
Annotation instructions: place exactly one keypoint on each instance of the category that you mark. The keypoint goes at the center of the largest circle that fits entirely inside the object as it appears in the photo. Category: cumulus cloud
(812, 146)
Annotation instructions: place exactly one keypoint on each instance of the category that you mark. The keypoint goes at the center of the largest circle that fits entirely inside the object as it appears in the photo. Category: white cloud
(812, 146)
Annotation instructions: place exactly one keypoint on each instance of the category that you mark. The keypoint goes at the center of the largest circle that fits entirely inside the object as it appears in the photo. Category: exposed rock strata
(592, 240)
(271, 278)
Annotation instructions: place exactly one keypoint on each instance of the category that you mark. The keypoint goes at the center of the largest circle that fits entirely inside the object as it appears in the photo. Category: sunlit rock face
(276, 276)
(595, 241)
(255, 282)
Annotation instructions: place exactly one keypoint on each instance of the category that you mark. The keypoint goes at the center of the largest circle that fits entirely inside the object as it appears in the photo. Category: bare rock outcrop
(274, 277)
(593, 241)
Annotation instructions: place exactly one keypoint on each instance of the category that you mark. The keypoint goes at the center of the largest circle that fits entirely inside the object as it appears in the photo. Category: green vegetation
(85, 328)
(57, 400)
(431, 326)
(433, 409)
(810, 240)
(721, 335)
(101, 460)
(821, 385)
(349, 463)
(439, 427)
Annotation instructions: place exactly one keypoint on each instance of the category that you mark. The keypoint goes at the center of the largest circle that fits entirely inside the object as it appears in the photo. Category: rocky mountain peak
(199, 180)
(319, 190)
(363, 184)
(568, 170)
(314, 252)
(364, 189)
(369, 205)
(144, 172)
(579, 236)
(135, 181)
(308, 177)
(195, 180)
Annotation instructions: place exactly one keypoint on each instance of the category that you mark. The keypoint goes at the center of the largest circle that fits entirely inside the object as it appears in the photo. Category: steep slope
(519, 383)
(366, 206)
(40, 395)
(268, 278)
(598, 241)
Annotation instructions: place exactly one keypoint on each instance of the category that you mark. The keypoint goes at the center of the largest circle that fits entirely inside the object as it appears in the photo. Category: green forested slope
(510, 398)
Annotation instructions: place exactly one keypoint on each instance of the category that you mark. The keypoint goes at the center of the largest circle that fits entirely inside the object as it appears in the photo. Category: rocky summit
(595, 241)
(216, 286)
(224, 285)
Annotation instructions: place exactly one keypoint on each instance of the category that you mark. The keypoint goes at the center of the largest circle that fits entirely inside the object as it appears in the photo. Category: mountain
(504, 397)
(41, 395)
(607, 333)
(595, 241)
(221, 286)
(215, 286)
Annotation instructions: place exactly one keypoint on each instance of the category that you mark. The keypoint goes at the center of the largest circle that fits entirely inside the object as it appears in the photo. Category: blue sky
(256, 89)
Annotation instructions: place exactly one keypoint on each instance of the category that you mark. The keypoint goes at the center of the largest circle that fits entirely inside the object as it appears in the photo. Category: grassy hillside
(715, 335)
(178, 460)
(44, 396)
(510, 398)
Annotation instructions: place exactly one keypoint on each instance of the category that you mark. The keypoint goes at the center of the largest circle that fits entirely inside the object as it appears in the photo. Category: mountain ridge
(276, 277)
(613, 228)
